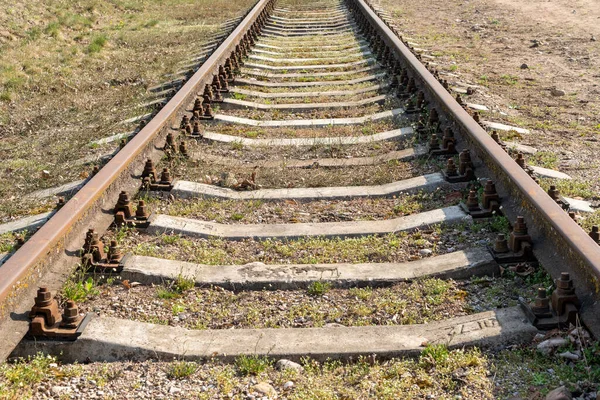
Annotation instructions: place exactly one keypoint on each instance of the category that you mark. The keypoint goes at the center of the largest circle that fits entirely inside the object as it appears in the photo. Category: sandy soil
(517, 53)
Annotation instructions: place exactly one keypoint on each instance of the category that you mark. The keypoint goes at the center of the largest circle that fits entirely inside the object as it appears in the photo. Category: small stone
(333, 325)
(569, 356)
(58, 390)
(173, 390)
(548, 346)
(265, 388)
(288, 385)
(593, 38)
(557, 92)
(45, 174)
(425, 252)
(284, 364)
(524, 66)
(560, 393)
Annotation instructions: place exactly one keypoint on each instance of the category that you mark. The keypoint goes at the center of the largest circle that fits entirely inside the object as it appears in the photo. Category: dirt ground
(535, 64)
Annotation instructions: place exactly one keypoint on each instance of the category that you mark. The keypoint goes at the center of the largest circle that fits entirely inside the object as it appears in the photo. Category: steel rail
(572, 234)
(46, 240)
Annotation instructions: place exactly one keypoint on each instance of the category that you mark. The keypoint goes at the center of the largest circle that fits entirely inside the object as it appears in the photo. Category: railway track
(312, 156)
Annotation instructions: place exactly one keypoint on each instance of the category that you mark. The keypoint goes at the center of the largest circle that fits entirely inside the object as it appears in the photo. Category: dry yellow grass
(70, 71)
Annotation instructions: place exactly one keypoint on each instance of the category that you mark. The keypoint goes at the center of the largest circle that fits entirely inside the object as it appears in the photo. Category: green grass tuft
(252, 365)
(318, 288)
(97, 44)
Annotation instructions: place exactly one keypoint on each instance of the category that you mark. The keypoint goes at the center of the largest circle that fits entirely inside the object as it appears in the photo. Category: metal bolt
(573, 216)
(170, 141)
(196, 131)
(165, 176)
(472, 201)
(208, 113)
(197, 105)
(501, 244)
(43, 298)
(184, 121)
(595, 234)
(433, 117)
(183, 149)
(149, 170)
(451, 168)
(521, 161)
(554, 193)
(114, 252)
(520, 226)
(564, 282)
(70, 317)
(541, 304)
(142, 210)
(433, 142)
(465, 162)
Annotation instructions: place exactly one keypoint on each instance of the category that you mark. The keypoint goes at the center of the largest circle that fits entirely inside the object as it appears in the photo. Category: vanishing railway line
(310, 136)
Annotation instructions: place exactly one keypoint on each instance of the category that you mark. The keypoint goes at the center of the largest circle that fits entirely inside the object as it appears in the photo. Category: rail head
(569, 231)
(50, 238)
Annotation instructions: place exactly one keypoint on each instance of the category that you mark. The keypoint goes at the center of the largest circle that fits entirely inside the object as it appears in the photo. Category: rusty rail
(51, 237)
(572, 234)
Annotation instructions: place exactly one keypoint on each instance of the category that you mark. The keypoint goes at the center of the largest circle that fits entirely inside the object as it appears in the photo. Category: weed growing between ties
(437, 373)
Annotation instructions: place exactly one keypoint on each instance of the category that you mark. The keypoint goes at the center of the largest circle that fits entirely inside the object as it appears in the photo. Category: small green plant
(166, 293)
(151, 23)
(177, 309)
(33, 34)
(500, 224)
(237, 216)
(318, 288)
(434, 354)
(176, 287)
(78, 289)
(252, 365)
(170, 239)
(239, 96)
(237, 145)
(6, 96)
(183, 283)
(97, 44)
(52, 29)
(181, 369)
(29, 371)
(545, 159)
(509, 79)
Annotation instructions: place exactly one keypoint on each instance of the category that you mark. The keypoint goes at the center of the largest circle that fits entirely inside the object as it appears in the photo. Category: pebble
(569, 356)
(58, 390)
(524, 66)
(560, 393)
(173, 390)
(264, 388)
(557, 92)
(288, 385)
(425, 252)
(284, 364)
(548, 346)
